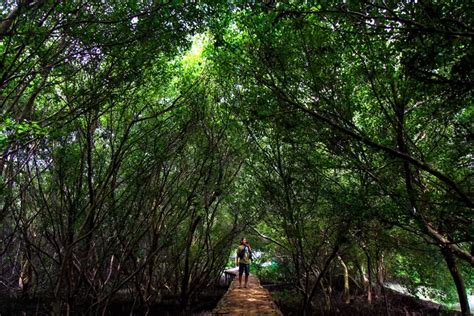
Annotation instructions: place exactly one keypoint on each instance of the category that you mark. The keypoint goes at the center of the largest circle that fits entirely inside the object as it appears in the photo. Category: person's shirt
(246, 258)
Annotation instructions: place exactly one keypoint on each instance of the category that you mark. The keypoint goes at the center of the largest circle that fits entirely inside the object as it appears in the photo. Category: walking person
(244, 255)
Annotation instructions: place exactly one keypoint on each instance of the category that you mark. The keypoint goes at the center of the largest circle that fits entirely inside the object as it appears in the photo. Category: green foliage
(12, 131)
(271, 273)
(140, 139)
(287, 297)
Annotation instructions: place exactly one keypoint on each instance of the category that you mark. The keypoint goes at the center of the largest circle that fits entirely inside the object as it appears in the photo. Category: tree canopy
(141, 140)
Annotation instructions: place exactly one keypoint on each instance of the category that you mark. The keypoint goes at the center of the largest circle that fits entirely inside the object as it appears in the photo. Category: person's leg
(246, 274)
(241, 270)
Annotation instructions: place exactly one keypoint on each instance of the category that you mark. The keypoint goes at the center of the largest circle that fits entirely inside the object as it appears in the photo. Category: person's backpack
(242, 253)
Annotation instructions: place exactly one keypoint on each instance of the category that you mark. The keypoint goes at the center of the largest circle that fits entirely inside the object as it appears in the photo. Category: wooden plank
(253, 300)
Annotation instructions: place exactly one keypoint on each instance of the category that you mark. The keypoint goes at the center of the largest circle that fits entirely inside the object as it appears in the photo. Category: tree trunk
(306, 306)
(327, 296)
(369, 283)
(380, 274)
(380, 281)
(346, 281)
(186, 275)
(457, 278)
(25, 278)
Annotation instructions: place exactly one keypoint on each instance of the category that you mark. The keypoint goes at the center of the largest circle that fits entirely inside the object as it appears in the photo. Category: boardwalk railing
(230, 274)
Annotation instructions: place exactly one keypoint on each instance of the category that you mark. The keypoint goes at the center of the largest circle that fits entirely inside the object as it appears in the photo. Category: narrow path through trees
(253, 300)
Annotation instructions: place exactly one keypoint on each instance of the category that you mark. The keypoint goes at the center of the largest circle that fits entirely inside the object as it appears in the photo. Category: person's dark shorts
(243, 267)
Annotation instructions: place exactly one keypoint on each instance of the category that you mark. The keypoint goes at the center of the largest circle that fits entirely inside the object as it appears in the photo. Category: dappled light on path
(253, 300)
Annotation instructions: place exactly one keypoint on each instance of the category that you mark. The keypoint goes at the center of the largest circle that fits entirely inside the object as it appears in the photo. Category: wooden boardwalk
(253, 300)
